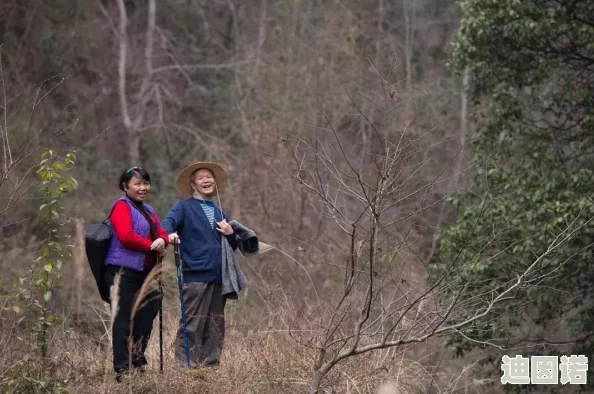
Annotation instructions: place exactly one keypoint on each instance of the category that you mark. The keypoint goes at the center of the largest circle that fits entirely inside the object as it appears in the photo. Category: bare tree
(18, 143)
(409, 10)
(133, 121)
(376, 205)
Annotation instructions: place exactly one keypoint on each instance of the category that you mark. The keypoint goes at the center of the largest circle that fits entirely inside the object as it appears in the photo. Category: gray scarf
(234, 280)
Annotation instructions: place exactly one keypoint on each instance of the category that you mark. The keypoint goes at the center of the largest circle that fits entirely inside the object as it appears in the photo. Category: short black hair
(130, 173)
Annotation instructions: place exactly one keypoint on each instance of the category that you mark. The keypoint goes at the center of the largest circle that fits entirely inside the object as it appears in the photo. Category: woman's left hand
(224, 227)
(158, 245)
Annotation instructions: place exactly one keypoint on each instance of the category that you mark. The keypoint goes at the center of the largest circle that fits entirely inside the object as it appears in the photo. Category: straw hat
(183, 179)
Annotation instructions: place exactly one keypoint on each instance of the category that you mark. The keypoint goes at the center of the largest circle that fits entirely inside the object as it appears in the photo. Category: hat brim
(183, 179)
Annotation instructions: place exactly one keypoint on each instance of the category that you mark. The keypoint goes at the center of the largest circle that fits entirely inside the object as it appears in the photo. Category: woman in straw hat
(198, 224)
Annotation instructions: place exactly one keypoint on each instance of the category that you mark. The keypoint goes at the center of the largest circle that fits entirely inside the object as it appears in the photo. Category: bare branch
(123, 53)
(220, 66)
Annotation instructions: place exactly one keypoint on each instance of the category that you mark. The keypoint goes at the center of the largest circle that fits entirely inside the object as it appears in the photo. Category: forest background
(423, 169)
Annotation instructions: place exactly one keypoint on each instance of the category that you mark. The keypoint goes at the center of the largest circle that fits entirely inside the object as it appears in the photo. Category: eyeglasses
(133, 169)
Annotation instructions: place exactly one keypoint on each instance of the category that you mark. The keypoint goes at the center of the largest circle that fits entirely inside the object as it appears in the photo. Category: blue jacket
(200, 246)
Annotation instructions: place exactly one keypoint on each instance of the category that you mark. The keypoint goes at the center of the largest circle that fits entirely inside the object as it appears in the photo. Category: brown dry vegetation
(263, 354)
(246, 83)
(263, 361)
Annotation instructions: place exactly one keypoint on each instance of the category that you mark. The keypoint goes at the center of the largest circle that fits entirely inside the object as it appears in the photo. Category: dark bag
(97, 240)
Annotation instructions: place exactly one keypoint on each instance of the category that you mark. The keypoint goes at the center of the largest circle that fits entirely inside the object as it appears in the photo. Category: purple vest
(118, 254)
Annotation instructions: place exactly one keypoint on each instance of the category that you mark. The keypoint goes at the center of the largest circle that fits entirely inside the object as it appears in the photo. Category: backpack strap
(110, 212)
(146, 214)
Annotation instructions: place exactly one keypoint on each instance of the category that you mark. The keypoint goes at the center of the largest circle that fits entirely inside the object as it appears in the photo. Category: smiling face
(203, 182)
(138, 188)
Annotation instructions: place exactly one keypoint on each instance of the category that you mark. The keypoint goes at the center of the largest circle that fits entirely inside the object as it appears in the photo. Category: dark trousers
(205, 322)
(130, 283)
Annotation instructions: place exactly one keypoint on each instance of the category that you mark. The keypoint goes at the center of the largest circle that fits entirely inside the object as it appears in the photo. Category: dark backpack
(97, 240)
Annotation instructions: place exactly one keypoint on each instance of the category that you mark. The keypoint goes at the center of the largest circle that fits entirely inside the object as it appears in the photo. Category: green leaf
(48, 267)
(16, 309)
(47, 296)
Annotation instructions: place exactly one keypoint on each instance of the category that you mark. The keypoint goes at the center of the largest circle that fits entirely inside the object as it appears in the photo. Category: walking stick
(181, 299)
(160, 261)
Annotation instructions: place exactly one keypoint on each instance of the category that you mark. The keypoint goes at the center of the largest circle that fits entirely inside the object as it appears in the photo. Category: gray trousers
(205, 322)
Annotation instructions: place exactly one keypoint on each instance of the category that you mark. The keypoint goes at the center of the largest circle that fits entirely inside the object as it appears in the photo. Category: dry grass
(261, 362)
(267, 360)
(266, 351)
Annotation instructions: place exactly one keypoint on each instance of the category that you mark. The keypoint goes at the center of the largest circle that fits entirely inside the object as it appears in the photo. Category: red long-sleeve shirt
(121, 220)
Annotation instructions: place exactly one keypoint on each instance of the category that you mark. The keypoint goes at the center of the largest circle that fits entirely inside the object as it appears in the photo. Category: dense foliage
(532, 80)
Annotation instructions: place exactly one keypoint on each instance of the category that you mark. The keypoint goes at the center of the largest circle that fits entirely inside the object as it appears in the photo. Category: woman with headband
(136, 241)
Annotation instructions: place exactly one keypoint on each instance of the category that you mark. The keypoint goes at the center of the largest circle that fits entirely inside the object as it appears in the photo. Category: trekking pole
(160, 261)
(181, 298)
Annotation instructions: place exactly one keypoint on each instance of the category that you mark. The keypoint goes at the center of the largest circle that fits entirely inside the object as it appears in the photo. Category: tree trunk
(380, 32)
(463, 121)
(134, 148)
(316, 381)
(133, 125)
(410, 21)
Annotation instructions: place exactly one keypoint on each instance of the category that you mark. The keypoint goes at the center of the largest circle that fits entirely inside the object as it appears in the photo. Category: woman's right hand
(173, 238)
(158, 245)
